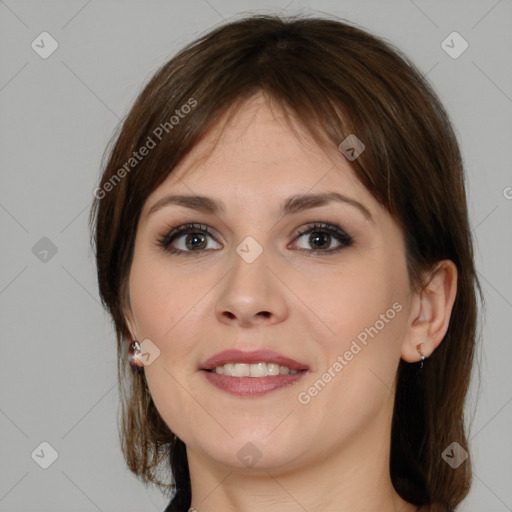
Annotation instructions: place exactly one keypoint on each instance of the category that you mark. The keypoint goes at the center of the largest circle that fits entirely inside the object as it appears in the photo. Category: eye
(193, 239)
(187, 239)
(321, 237)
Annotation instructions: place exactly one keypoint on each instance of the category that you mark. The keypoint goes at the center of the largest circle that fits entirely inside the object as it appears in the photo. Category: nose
(251, 295)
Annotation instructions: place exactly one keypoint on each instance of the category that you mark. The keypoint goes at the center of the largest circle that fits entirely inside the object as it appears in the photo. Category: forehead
(257, 155)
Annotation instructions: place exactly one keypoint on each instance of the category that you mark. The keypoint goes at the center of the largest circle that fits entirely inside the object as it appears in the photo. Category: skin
(331, 454)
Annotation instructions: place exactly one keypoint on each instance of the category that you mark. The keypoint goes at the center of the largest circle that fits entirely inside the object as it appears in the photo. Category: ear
(430, 312)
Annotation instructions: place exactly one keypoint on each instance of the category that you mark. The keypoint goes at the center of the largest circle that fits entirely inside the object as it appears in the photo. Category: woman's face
(321, 282)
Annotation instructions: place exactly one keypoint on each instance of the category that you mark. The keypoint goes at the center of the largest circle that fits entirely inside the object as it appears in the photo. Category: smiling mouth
(254, 370)
(251, 374)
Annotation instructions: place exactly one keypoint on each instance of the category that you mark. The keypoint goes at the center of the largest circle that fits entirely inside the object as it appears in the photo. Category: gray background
(58, 377)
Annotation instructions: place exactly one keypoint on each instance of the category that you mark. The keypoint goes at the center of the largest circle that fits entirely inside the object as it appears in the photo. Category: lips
(252, 357)
(252, 387)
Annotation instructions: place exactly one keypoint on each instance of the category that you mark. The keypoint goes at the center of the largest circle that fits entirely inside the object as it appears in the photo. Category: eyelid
(171, 233)
(332, 228)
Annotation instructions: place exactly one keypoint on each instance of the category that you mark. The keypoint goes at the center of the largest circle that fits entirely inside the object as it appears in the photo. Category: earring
(418, 348)
(134, 361)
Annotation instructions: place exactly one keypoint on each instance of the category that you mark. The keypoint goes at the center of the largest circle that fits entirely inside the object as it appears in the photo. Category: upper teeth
(253, 370)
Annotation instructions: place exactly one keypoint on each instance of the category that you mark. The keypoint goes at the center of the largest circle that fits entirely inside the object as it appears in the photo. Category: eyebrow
(293, 204)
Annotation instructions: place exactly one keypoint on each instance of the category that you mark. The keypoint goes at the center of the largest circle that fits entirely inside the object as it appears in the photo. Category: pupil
(196, 240)
(323, 237)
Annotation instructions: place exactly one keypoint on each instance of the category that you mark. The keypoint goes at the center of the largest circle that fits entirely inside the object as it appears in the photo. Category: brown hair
(335, 79)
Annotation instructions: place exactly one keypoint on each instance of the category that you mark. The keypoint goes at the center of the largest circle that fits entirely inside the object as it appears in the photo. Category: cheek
(364, 306)
(161, 297)
(355, 377)
(163, 302)
(350, 299)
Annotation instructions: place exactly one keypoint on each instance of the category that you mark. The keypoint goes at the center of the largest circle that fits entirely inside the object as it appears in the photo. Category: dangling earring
(134, 361)
(418, 348)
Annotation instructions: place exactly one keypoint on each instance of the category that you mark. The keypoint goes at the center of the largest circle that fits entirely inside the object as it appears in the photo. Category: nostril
(266, 314)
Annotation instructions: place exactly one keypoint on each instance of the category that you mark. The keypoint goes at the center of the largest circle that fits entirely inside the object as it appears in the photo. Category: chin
(251, 453)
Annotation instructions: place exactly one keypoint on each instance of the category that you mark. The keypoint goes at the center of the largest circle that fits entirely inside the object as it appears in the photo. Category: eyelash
(339, 234)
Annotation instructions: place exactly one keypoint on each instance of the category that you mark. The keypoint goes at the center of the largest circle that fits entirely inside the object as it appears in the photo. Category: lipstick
(278, 371)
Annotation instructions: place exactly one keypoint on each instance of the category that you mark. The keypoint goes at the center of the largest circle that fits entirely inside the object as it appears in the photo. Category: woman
(282, 241)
